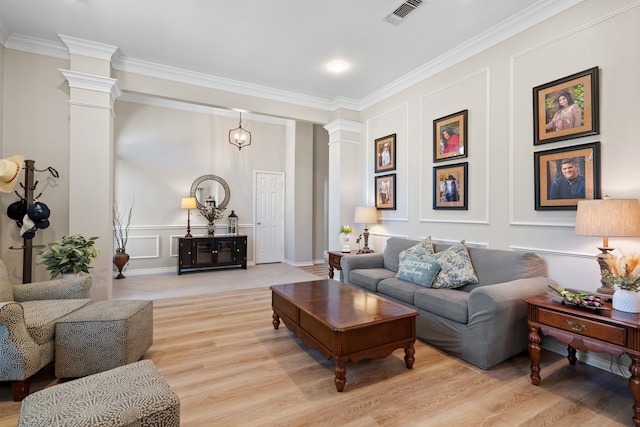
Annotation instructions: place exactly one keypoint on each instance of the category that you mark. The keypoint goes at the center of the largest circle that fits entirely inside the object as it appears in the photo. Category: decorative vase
(211, 229)
(345, 241)
(628, 301)
(120, 259)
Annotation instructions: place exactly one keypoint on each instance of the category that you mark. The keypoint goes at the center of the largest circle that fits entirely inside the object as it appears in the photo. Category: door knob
(259, 223)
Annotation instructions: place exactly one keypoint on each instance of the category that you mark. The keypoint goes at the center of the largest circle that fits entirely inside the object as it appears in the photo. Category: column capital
(88, 48)
(92, 82)
(339, 125)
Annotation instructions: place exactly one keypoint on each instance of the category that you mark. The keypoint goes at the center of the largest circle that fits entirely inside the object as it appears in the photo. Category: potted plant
(121, 234)
(69, 255)
(211, 213)
(345, 230)
(624, 272)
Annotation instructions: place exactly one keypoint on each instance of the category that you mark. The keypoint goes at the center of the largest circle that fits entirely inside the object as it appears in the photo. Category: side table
(610, 331)
(334, 260)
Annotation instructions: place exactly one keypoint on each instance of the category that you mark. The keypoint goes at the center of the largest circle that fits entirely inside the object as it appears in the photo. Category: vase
(211, 229)
(628, 301)
(120, 259)
(345, 241)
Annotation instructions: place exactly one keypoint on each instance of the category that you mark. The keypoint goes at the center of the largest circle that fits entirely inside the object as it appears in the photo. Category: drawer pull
(577, 326)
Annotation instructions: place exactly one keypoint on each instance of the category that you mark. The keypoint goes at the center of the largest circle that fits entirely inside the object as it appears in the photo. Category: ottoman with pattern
(102, 336)
(131, 395)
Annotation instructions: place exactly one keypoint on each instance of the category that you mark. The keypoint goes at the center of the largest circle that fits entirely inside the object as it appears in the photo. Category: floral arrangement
(71, 254)
(345, 229)
(211, 213)
(624, 272)
(121, 225)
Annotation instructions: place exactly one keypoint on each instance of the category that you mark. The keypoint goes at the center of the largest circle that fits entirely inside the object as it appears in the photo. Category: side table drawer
(334, 260)
(600, 331)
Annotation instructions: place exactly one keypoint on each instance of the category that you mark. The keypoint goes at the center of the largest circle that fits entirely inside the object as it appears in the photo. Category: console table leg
(634, 386)
(408, 356)
(340, 375)
(571, 355)
(535, 353)
(276, 321)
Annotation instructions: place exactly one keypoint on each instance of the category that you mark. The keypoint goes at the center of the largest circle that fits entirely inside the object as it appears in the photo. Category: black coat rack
(27, 245)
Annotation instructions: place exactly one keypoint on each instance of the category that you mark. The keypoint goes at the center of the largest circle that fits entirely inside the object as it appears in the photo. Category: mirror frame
(227, 192)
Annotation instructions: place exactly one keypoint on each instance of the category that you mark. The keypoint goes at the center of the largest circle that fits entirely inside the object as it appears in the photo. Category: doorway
(269, 217)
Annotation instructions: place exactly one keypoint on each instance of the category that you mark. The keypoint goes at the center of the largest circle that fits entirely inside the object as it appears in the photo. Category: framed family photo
(386, 191)
(450, 137)
(566, 108)
(450, 186)
(564, 176)
(385, 153)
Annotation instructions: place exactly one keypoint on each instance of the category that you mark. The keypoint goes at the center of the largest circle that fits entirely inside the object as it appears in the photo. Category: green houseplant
(71, 254)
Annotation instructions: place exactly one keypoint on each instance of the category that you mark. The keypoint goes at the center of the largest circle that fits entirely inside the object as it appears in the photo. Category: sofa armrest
(487, 301)
(349, 263)
(70, 288)
(20, 356)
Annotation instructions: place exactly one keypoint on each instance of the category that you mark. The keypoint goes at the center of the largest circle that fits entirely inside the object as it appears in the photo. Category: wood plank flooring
(229, 367)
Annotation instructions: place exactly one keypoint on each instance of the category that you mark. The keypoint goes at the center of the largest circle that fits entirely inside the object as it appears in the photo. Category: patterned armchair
(28, 315)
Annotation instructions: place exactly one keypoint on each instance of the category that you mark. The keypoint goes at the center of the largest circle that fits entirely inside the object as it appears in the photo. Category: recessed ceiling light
(337, 66)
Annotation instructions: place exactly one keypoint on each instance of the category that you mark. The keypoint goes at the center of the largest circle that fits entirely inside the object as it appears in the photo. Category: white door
(269, 235)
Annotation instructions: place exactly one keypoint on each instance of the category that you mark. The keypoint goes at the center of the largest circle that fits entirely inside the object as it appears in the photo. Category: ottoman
(131, 395)
(101, 336)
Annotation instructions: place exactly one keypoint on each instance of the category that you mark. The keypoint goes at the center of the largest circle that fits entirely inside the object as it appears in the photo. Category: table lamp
(365, 215)
(188, 203)
(608, 218)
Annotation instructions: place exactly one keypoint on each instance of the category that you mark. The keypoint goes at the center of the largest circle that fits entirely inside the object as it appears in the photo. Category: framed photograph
(450, 186)
(386, 153)
(566, 175)
(386, 191)
(450, 137)
(566, 108)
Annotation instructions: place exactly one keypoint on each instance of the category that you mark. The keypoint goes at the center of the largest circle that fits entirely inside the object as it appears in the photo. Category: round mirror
(211, 190)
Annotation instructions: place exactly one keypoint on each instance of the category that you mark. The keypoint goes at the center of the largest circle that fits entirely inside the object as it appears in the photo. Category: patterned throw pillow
(423, 250)
(418, 271)
(455, 267)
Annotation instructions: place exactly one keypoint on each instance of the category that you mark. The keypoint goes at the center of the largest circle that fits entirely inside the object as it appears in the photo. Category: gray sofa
(483, 323)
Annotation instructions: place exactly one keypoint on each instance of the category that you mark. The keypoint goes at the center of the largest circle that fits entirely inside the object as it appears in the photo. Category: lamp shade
(608, 218)
(188, 203)
(366, 215)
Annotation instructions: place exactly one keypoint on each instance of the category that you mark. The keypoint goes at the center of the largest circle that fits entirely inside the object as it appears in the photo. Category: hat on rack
(9, 171)
(43, 223)
(17, 210)
(38, 211)
(28, 230)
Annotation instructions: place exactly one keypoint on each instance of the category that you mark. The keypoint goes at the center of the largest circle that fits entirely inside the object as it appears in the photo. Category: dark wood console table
(205, 253)
(610, 331)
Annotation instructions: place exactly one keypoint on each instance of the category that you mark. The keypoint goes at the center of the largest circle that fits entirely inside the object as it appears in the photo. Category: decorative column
(345, 186)
(91, 119)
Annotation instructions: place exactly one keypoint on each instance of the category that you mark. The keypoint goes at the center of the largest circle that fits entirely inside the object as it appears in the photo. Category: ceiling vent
(402, 11)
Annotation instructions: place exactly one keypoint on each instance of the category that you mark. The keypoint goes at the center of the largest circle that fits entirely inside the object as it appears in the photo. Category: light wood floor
(229, 367)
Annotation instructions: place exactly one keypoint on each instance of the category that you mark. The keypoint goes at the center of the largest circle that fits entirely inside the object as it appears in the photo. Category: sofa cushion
(41, 316)
(456, 268)
(422, 250)
(369, 278)
(6, 294)
(418, 271)
(398, 289)
(448, 303)
(391, 253)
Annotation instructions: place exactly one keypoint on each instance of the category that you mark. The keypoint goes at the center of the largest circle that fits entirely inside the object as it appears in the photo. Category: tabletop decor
(624, 272)
(345, 231)
(211, 213)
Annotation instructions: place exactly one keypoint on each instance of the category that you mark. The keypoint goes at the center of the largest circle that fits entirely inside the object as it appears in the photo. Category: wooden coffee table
(345, 323)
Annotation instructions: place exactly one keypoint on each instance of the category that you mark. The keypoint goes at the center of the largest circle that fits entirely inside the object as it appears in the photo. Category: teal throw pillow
(418, 271)
(456, 268)
(422, 250)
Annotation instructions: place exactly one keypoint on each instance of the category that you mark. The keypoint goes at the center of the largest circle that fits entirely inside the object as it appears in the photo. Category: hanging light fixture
(240, 137)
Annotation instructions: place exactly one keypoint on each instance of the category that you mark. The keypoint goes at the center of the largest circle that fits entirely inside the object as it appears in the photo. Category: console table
(206, 253)
(611, 331)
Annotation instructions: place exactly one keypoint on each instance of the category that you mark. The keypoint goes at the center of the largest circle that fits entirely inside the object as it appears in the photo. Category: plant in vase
(345, 231)
(624, 272)
(121, 234)
(71, 254)
(211, 213)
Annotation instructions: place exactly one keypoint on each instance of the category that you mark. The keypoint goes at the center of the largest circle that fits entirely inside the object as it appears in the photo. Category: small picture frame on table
(385, 153)
(564, 176)
(386, 191)
(450, 137)
(450, 186)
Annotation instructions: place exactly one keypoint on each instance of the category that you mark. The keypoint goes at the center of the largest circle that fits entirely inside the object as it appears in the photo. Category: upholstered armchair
(28, 315)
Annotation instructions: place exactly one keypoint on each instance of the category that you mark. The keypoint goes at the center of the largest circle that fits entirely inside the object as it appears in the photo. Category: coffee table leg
(340, 375)
(408, 356)
(276, 321)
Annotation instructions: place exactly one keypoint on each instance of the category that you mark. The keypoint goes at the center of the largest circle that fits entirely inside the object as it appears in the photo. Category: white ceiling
(281, 46)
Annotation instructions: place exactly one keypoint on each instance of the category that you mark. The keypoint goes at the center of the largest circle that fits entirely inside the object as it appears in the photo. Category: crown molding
(88, 48)
(92, 82)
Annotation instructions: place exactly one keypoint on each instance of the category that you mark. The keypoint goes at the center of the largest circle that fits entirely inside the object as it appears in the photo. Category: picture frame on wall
(566, 108)
(564, 176)
(450, 137)
(385, 153)
(450, 184)
(386, 191)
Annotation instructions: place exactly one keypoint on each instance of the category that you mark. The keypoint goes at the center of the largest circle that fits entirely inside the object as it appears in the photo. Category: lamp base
(365, 250)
